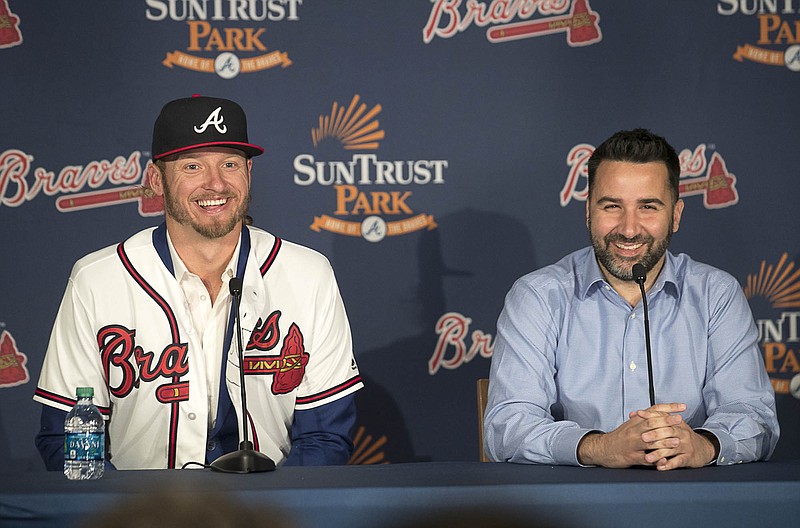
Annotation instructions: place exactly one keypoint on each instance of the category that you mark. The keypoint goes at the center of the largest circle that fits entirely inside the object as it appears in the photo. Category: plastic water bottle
(84, 439)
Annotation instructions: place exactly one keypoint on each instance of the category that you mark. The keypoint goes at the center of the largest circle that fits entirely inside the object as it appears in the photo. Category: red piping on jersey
(165, 307)
(276, 246)
(175, 331)
(272, 255)
(253, 431)
(47, 395)
(330, 392)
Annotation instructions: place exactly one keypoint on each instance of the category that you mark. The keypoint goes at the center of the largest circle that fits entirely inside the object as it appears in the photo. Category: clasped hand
(655, 436)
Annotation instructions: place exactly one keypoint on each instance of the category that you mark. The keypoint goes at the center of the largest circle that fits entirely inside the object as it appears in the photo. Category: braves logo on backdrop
(360, 212)
(709, 178)
(20, 183)
(778, 321)
(451, 349)
(122, 358)
(289, 367)
(229, 37)
(13, 371)
(509, 20)
(778, 41)
(10, 34)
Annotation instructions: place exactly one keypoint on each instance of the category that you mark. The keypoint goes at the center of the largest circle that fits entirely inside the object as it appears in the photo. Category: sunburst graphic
(366, 450)
(779, 284)
(355, 127)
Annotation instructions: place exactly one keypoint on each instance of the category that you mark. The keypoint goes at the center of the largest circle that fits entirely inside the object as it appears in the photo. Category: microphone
(640, 275)
(245, 459)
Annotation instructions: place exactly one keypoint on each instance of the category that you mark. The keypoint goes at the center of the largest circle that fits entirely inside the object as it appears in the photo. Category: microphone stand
(640, 275)
(245, 459)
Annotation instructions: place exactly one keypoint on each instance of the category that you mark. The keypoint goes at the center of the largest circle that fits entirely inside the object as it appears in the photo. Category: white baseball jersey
(124, 328)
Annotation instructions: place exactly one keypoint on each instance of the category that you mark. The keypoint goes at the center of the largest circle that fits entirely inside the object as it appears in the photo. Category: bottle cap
(85, 392)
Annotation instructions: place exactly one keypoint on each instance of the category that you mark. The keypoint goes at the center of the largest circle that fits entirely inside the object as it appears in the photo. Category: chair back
(483, 396)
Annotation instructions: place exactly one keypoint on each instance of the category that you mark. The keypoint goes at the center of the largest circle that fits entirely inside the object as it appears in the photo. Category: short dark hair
(637, 146)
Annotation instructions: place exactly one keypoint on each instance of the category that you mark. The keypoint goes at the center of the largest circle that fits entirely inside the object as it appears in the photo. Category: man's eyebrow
(611, 199)
(656, 201)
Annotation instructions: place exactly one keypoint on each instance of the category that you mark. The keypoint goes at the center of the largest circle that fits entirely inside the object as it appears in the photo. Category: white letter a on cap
(213, 119)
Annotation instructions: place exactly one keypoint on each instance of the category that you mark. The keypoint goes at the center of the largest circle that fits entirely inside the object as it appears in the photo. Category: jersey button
(192, 416)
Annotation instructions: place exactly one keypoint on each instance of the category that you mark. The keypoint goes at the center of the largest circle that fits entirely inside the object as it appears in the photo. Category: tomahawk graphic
(580, 25)
(149, 203)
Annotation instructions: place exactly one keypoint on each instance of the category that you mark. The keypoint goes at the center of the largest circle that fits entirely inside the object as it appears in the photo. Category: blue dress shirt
(570, 358)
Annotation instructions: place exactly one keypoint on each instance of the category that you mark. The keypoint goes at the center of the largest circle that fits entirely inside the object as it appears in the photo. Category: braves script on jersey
(124, 328)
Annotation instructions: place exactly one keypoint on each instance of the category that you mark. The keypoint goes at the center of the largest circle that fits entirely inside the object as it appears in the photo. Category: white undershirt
(210, 322)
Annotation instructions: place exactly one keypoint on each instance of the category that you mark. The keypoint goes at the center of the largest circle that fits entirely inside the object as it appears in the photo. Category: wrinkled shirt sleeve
(740, 401)
(519, 426)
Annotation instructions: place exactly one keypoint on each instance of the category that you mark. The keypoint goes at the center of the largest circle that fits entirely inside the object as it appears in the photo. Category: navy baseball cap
(198, 121)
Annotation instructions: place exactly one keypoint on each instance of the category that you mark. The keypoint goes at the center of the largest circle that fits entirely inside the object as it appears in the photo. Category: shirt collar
(668, 278)
(181, 272)
(588, 274)
(590, 277)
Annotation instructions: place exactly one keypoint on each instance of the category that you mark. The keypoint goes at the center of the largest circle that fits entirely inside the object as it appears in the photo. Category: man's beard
(216, 229)
(621, 267)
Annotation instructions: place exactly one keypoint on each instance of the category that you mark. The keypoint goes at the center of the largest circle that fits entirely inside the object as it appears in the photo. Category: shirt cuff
(722, 456)
(565, 450)
(727, 448)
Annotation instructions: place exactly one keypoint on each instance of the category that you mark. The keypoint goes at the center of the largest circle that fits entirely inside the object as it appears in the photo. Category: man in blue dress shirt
(569, 375)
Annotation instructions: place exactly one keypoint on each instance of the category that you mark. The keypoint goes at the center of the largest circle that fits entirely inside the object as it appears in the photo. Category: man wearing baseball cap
(150, 323)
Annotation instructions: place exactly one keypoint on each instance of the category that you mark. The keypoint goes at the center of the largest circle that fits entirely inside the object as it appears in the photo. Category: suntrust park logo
(700, 175)
(509, 20)
(778, 321)
(778, 41)
(219, 33)
(361, 211)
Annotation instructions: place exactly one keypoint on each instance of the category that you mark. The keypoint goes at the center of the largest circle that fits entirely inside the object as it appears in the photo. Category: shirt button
(633, 316)
(632, 366)
(202, 297)
(192, 416)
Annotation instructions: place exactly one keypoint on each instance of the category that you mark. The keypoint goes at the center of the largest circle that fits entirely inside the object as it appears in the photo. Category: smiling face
(631, 217)
(206, 191)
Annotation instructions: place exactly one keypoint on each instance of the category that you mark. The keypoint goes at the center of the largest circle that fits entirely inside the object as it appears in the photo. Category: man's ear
(677, 212)
(587, 211)
(154, 179)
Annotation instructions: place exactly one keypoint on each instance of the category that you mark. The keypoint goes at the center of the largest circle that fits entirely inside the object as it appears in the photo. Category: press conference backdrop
(433, 150)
